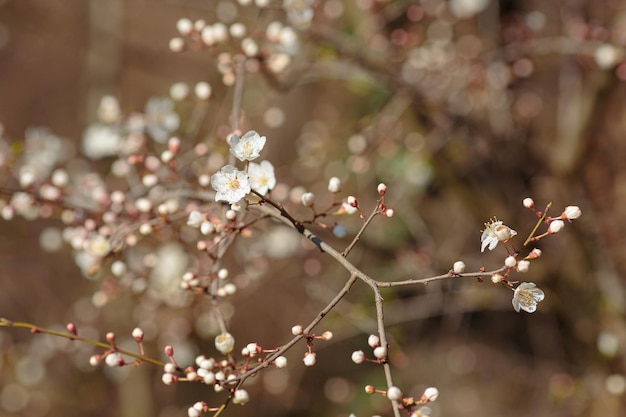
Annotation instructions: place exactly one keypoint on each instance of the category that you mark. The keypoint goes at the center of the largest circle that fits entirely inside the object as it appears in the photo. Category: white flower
(225, 343)
(261, 176)
(231, 184)
(280, 362)
(308, 199)
(526, 297)
(248, 147)
(495, 232)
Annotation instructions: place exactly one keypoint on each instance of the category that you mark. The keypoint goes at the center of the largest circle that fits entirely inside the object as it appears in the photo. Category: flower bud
(458, 267)
(280, 362)
(370, 389)
(334, 185)
(352, 201)
(571, 213)
(241, 397)
(309, 359)
(510, 262)
(430, 394)
(137, 334)
(296, 330)
(169, 368)
(380, 352)
(373, 341)
(394, 394)
(358, 357)
(556, 226)
(534, 254)
(308, 199)
(523, 265)
(382, 189)
(169, 379)
(529, 203)
(225, 343)
(496, 278)
(327, 335)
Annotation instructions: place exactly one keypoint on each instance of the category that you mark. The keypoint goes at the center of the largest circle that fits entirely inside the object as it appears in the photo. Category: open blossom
(526, 297)
(248, 147)
(231, 184)
(261, 176)
(225, 343)
(495, 232)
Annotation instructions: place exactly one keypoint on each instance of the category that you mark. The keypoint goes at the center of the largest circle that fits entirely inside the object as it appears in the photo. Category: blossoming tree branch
(169, 189)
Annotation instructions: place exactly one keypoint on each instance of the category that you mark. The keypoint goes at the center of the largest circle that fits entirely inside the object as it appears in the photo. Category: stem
(541, 219)
(360, 233)
(35, 329)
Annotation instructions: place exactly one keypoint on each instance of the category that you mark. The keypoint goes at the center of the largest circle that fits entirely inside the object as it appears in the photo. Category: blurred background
(462, 107)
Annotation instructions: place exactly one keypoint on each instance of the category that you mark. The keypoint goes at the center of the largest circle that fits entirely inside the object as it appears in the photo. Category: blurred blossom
(464, 9)
(171, 264)
(42, 152)
(280, 243)
(161, 119)
(299, 12)
(101, 141)
(109, 111)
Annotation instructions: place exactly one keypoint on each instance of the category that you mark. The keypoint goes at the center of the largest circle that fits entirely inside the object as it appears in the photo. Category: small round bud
(352, 201)
(571, 213)
(71, 327)
(373, 341)
(110, 337)
(184, 26)
(177, 44)
(510, 262)
(173, 144)
(225, 343)
(169, 368)
(334, 185)
(169, 379)
(231, 214)
(192, 412)
(253, 348)
(556, 226)
(95, 360)
(458, 267)
(430, 394)
(222, 273)
(203, 90)
(280, 362)
(380, 352)
(394, 394)
(297, 330)
(534, 254)
(529, 203)
(169, 351)
(358, 357)
(382, 189)
(241, 397)
(497, 278)
(308, 199)
(137, 334)
(114, 359)
(523, 265)
(309, 359)
(327, 335)
(370, 389)
(389, 212)
(237, 30)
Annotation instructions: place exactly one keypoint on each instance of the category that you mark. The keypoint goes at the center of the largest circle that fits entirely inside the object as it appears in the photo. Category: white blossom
(261, 176)
(225, 343)
(231, 184)
(248, 147)
(526, 297)
(495, 232)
